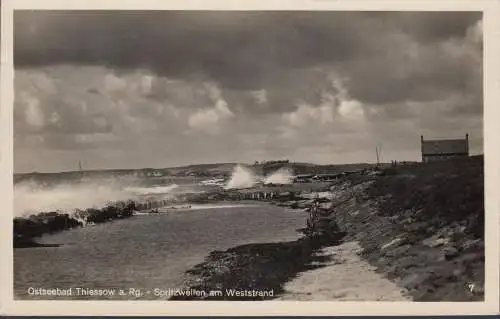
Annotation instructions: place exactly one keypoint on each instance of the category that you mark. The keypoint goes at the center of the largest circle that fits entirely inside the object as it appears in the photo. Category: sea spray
(31, 197)
(152, 190)
(281, 176)
(241, 178)
(25, 229)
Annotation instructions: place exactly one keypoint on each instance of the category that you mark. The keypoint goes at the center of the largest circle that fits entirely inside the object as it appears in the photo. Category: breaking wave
(241, 178)
(281, 176)
(152, 190)
(31, 197)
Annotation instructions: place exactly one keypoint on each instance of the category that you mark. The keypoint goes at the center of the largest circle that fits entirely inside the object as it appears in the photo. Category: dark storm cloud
(240, 50)
(433, 26)
(166, 88)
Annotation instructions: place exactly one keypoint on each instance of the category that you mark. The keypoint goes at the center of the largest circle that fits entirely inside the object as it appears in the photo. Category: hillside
(199, 170)
(423, 226)
(419, 225)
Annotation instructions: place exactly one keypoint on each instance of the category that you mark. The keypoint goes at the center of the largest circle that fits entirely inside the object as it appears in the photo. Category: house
(435, 150)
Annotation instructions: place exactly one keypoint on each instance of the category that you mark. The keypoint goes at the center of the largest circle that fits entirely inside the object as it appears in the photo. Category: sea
(142, 253)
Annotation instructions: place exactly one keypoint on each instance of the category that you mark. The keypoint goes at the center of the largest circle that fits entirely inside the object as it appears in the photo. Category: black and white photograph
(253, 155)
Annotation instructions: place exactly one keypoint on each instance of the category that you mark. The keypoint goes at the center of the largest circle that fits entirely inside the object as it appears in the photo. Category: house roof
(442, 147)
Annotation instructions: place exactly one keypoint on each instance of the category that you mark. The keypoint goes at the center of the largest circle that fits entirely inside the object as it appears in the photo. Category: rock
(407, 221)
(435, 241)
(393, 242)
(416, 226)
(325, 205)
(458, 272)
(302, 204)
(450, 252)
(414, 280)
(468, 244)
(397, 251)
(471, 258)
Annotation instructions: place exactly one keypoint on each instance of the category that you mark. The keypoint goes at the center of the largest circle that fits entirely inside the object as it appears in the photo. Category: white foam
(31, 197)
(242, 178)
(281, 176)
(152, 190)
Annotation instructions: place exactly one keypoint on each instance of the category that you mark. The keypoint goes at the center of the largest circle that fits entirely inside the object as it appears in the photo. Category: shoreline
(259, 267)
(420, 227)
(27, 229)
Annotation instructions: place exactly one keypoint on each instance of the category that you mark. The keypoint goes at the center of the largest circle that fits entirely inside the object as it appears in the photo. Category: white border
(491, 29)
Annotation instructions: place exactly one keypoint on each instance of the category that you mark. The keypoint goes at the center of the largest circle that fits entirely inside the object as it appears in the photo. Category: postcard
(260, 158)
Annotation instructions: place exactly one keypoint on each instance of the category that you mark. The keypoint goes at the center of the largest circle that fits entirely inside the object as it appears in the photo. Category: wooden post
(422, 147)
(467, 142)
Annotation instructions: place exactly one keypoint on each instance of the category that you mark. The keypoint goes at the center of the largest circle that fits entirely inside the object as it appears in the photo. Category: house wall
(438, 150)
(433, 158)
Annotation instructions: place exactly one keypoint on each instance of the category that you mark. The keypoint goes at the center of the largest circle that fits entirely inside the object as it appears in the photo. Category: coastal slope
(419, 226)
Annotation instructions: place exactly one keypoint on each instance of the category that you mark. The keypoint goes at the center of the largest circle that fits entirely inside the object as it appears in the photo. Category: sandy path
(346, 278)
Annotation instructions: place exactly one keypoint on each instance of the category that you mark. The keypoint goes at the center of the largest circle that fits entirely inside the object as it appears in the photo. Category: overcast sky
(158, 89)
